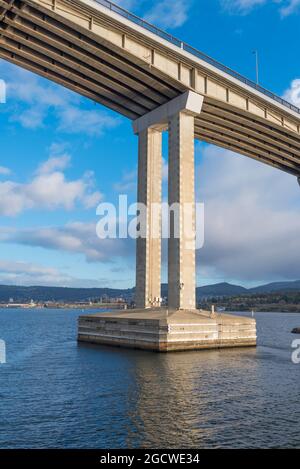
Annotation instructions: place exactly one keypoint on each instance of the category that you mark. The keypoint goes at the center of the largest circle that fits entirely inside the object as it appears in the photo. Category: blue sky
(61, 154)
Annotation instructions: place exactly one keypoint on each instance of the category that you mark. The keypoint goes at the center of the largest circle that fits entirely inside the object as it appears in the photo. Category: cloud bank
(75, 238)
(252, 224)
(28, 274)
(48, 189)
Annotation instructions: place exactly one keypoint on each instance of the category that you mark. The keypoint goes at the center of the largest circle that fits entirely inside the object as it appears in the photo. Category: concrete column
(181, 248)
(148, 256)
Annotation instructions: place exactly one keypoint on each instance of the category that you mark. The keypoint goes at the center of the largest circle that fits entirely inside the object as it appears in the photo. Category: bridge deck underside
(43, 42)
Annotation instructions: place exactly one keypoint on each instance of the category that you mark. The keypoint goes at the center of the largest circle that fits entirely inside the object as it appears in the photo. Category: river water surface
(55, 393)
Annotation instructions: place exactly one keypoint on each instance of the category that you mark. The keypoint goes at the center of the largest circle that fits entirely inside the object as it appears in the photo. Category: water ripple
(55, 393)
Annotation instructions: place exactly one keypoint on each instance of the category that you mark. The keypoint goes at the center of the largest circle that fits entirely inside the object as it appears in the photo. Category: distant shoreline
(108, 307)
(64, 306)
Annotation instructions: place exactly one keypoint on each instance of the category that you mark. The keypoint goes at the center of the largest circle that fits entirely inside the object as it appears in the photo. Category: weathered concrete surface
(148, 253)
(189, 102)
(178, 115)
(163, 331)
(181, 189)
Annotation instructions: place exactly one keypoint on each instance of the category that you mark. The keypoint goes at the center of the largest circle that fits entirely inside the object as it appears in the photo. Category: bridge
(115, 58)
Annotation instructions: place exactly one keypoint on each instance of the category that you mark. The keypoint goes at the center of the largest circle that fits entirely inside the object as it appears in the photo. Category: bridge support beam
(148, 252)
(178, 117)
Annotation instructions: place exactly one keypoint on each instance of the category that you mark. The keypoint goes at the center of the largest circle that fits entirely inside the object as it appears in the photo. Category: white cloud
(53, 190)
(293, 93)
(290, 7)
(74, 120)
(28, 274)
(4, 171)
(27, 87)
(21, 267)
(164, 13)
(49, 189)
(169, 13)
(241, 6)
(251, 229)
(54, 163)
(165, 170)
(128, 183)
(75, 238)
(286, 7)
(31, 118)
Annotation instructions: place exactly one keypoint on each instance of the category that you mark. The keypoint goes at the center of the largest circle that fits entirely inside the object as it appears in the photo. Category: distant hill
(39, 293)
(221, 289)
(276, 287)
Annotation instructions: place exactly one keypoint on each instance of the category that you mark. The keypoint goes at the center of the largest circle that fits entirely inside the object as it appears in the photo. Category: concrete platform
(161, 330)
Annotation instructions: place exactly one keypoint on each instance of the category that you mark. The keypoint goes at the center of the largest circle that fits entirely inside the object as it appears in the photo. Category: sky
(61, 154)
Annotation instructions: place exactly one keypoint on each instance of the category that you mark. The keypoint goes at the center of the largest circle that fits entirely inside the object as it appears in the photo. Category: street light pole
(257, 66)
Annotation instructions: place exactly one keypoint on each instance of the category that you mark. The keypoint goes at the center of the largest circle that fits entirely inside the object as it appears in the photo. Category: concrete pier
(182, 326)
(161, 330)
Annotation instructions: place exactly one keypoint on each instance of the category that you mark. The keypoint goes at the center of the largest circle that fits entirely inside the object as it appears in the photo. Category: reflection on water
(55, 393)
(182, 396)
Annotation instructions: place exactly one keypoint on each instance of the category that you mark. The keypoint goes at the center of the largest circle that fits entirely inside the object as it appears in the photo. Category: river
(55, 393)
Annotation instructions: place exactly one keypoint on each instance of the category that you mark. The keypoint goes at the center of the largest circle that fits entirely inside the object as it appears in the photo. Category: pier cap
(188, 102)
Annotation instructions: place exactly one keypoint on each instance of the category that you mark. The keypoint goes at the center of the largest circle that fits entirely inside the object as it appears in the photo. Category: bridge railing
(206, 58)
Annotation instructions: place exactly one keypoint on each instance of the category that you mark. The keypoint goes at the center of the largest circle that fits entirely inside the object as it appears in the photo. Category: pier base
(161, 330)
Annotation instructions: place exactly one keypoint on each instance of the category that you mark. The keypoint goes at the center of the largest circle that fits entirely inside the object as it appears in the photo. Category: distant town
(104, 302)
(280, 296)
(288, 302)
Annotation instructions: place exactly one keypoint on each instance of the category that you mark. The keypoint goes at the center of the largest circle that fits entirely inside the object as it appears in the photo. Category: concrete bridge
(114, 58)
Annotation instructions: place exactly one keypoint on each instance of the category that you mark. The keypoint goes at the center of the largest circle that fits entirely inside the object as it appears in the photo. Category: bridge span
(113, 57)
